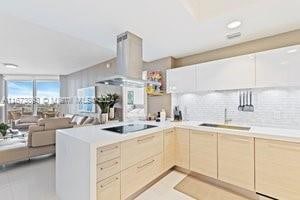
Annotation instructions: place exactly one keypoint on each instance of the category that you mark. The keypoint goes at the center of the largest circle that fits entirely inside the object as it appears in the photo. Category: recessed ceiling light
(292, 51)
(234, 24)
(10, 65)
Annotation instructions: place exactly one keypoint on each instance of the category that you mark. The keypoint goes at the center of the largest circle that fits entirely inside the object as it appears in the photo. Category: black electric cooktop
(129, 128)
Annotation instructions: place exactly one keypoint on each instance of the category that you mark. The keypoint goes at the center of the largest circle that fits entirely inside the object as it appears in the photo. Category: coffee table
(15, 134)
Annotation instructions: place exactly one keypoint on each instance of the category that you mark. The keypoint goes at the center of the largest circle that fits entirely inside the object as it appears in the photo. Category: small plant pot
(111, 113)
(103, 118)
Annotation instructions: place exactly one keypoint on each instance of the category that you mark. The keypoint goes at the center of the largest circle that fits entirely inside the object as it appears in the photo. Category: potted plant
(3, 129)
(103, 103)
(114, 98)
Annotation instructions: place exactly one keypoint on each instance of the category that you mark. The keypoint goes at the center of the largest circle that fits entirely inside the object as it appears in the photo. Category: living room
(142, 99)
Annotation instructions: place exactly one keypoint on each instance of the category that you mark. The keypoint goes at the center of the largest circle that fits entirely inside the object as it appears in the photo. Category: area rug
(200, 190)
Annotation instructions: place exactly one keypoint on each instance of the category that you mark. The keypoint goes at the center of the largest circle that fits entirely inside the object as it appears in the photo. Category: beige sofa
(24, 122)
(40, 141)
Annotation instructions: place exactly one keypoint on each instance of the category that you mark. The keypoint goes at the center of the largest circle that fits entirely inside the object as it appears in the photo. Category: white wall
(276, 107)
(86, 78)
(1, 96)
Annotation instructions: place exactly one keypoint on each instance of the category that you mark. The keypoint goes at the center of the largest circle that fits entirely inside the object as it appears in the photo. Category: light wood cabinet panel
(108, 168)
(236, 160)
(175, 77)
(109, 189)
(230, 73)
(139, 175)
(278, 67)
(138, 149)
(278, 169)
(108, 153)
(203, 153)
(182, 148)
(169, 148)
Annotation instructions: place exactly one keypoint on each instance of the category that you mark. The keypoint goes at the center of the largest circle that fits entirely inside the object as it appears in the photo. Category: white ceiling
(63, 36)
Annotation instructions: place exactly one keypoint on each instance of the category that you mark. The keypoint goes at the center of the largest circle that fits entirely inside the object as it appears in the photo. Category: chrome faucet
(226, 119)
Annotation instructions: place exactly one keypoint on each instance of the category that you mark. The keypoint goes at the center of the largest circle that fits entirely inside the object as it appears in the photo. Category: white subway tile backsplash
(276, 107)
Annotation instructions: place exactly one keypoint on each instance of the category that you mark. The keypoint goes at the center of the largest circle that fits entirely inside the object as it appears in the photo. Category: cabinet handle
(235, 139)
(145, 139)
(109, 149)
(109, 182)
(277, 146)
(115, 163)
(149, 163)
(170, 131)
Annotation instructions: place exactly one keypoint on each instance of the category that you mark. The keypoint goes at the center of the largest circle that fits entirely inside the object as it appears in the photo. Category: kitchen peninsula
(93, 163)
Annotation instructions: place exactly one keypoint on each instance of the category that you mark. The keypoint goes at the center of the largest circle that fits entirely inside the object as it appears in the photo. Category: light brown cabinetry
(108, 152)
(108, 168)
(182, 148)
(278, 169)
(236, 160)
(138, 149)
(169, 148)
(139, 175)
(203, 153)
(109, 189)
(108, 172)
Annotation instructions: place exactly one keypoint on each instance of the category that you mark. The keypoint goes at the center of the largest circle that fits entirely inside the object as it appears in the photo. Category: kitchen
(237, 131)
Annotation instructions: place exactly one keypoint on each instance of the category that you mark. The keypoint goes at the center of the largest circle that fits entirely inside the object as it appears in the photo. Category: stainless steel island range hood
(129, 63)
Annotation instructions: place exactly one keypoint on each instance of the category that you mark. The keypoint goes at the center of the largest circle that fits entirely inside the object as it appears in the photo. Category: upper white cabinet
(278, 67)
(274, 68)
(181, 79)
(231, 73)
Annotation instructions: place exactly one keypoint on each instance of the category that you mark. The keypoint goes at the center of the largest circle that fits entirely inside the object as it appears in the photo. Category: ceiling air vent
(233, 35)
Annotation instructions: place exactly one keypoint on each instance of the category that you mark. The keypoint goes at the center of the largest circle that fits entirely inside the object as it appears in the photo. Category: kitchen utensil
(244, 100)
(240, 108)
(251, 107)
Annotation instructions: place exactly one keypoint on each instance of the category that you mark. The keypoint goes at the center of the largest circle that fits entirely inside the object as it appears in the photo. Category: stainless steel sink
(242, 128)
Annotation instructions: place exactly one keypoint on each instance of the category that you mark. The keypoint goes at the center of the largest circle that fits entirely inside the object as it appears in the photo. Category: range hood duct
(129, 63)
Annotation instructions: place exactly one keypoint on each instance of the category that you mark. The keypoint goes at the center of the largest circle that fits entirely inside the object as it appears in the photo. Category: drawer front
(169, 148)
(204, 153)
(108, 168)
(109, 189)
(139, 175)
(182, 148)
(278, 169)
(108, 153)
(236, 160)
(138, 149)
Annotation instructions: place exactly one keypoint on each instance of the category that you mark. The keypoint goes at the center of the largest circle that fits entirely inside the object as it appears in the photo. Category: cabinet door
(204, 149)
(109, 189)
(169, 148)
(181, 79)
(236, 160)
(231, 73)
(278, 169)
(278, 67)
(182, 148)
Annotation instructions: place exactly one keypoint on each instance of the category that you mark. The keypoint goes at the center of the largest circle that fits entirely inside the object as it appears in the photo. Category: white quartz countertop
(94, 135)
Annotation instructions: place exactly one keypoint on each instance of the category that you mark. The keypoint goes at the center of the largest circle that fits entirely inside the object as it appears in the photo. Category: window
(19, 96)
(32, 97)
(47, 94)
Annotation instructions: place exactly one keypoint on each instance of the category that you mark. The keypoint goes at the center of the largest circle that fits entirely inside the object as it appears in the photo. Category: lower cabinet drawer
(139, 175)
(138, 149)
(108, 168)
(108, 152)
(109, 189)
